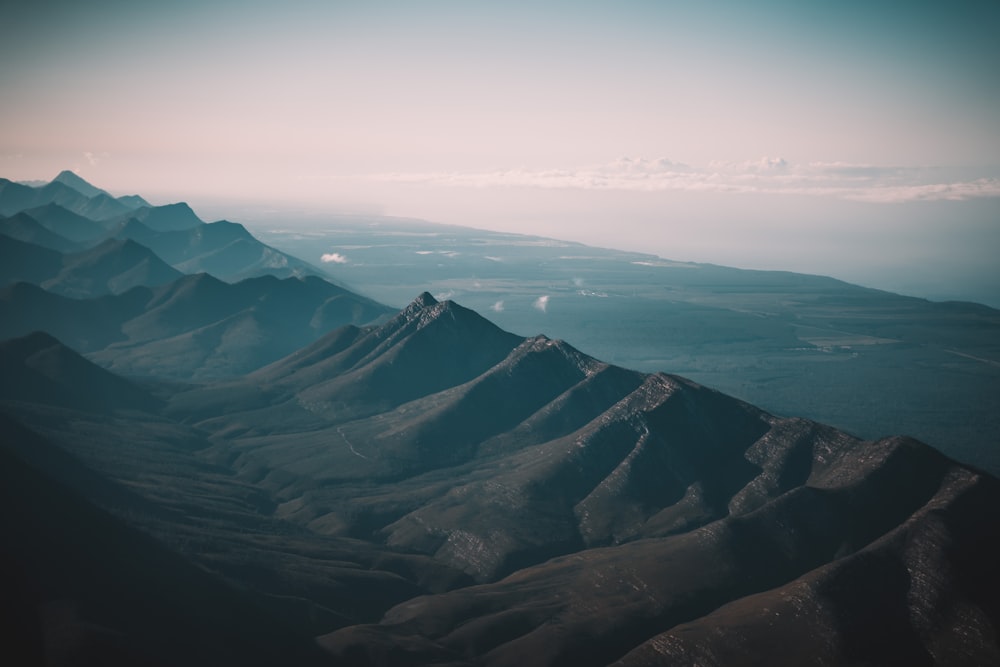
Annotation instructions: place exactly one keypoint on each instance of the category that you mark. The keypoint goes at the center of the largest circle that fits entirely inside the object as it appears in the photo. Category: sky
(855, 139)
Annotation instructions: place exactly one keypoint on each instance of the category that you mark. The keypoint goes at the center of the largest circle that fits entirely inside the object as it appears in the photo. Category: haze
(854, 139)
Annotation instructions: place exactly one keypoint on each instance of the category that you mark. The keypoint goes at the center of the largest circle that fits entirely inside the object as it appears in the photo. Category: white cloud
(497, 307)
(334, 258)
(541, 303)
(767, 175)
(95, 158)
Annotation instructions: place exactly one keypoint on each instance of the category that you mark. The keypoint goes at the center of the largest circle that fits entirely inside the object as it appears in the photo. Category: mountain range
(279, 471)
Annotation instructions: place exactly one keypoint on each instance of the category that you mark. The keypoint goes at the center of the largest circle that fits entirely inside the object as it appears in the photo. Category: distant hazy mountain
(66, 223)
(170, 217)
(194, 327)
(25, 228)
(111, 267)
(15, 197)
(67, 177)
(224, 249)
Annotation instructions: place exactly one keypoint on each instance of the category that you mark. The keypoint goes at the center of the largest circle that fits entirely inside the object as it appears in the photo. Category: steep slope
(68, 224)
(111, 267)
(605, 514)
(224, 249)
(25, 228)
(167, 218)
(613, 515)
(81, 587)
(23, 261)
(68, 191)
(112, 447)
(353, 373)
(68, 178)
(39, 369)
(192, 328)
(812, 570)
(199, 327)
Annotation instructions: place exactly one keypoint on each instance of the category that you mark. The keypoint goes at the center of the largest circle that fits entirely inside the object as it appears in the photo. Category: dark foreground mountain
(357, 487)
(82, 587)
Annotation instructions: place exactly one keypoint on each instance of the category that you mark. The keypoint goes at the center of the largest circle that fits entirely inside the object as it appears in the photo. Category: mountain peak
(424, 300)
(72, 180)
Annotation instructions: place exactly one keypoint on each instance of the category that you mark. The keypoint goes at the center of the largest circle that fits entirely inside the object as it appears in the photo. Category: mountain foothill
(256, 466)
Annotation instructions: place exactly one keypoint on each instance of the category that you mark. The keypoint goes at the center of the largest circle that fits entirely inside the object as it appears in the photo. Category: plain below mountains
(603, 514)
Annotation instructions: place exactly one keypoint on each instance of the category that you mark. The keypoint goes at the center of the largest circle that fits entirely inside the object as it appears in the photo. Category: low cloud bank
(860, 182)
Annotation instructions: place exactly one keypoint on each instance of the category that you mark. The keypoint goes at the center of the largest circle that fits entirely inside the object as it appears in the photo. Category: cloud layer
(860, 182)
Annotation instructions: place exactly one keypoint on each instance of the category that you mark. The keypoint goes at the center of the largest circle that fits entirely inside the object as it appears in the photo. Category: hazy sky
(854, 138)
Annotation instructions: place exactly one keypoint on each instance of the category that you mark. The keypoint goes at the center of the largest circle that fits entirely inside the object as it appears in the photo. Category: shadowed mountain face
(224, 249)
(111, 267)
(194, 327)
(25, 228)
(83, 588)
(39, 369)
(167, 218)
(67, 224)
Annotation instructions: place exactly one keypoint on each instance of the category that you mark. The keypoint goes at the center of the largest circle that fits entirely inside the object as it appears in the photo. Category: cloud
(541, 303)
(766, 175)
(334, 258)
(95, 158)
(497, 307)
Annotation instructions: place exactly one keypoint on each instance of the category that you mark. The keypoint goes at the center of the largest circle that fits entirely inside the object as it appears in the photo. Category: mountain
(361, 485)
(25, 228)
(83, 587)
(224, 249)
(111, 267)
(22, 261)
(171, 217)
(38, 368)
(158, 475)
(194, 327)
(63, 222)
(15, 198)
(68, 178)
(880, 579)
(502, 463)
